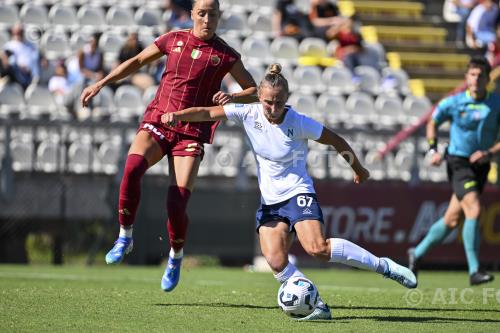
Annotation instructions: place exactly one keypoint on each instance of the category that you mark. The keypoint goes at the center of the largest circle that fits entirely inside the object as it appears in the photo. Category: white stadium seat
(360, 109)
(332, 107)
(256, 50)
(285, 50)
(369, 79)
(312, 47)
(338, 80)
(309, 79)
(91, 18)
(389, 111)
(33, 14)
(63, 15)
(11, 100)
(120, 17)
(8, 15)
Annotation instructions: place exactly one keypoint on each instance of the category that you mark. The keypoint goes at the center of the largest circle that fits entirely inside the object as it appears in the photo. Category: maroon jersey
(193, 74)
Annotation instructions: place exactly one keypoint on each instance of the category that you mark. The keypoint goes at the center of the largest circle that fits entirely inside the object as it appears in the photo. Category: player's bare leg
(143, 153)
(183, 171)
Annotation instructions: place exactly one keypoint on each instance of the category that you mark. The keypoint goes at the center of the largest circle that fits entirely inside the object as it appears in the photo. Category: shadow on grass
(425, 319)
(220, 305)
(412, 309)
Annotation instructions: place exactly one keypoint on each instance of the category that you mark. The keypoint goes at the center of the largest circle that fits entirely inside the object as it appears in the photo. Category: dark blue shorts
(301, 207)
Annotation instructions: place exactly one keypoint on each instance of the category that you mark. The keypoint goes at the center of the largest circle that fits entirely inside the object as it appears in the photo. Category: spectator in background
(288, 20)
(180, 14)
(350, 50)
(481, 25)
(463, 9)
(19, 59)
(91, 61)
(59, 85)
(130, 49)
(46, 70)
(325, 17)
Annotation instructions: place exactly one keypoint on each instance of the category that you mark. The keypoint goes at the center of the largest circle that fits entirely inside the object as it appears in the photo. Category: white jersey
(280, 150)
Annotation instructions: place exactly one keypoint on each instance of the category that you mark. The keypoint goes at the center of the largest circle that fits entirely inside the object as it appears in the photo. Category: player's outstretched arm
(246, 82)
(328, 137)
(194, 114)
(123, 70)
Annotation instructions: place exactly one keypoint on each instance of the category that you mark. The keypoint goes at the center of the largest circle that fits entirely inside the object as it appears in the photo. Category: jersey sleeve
(236, 112)
(163, 41)
(311, 129)
(442, 112)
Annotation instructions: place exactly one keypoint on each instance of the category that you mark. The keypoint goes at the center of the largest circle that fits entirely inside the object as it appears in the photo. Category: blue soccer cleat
(172, 273)
(322, 312)
(400, 274)
(123, 246)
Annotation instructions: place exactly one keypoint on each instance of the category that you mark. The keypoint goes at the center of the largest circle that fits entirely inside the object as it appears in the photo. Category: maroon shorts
(173, 143)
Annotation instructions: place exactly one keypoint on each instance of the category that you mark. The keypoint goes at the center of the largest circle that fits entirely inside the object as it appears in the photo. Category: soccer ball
(297, 297)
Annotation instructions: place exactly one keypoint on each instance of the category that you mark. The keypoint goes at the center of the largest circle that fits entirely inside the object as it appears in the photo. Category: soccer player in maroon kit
(197, 60)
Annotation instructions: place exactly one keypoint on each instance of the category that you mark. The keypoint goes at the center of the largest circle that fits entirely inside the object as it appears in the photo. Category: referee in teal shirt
(475, 122)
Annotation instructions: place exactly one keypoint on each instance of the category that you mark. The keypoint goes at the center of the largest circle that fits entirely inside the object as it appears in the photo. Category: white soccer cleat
(400, 274)
(321, 312)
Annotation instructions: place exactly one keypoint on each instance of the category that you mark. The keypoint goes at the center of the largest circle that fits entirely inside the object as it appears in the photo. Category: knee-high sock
(287, 272)
(470, 237)
(348, 253)
(436, 234)
(130, 189)
(177, 218)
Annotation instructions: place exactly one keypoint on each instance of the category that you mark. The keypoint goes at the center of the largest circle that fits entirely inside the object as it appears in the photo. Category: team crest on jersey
(196, 54)
(289, 132)
(179, 46)
(215, 60)
(257, 125)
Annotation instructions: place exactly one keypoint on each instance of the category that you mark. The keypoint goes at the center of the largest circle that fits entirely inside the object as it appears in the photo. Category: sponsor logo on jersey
(196, 54)
(307, 211)
(176, 50)
(257, 125)
(215, 60)
(154, 130)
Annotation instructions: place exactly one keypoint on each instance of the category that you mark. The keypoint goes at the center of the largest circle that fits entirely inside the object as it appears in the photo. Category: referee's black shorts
(466, 177)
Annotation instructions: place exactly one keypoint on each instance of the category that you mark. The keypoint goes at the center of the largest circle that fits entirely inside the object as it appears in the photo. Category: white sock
(347, 253)
(176, 255)
(126, 232)
(287, 272)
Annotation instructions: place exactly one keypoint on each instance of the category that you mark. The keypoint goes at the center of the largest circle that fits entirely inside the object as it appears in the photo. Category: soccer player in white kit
(278, 136)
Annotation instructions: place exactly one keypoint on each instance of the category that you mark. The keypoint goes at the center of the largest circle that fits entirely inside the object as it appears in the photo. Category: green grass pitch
(129, 299)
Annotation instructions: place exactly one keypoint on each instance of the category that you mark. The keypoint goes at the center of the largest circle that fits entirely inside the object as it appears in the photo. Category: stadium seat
(148, 17)
(91, 18)
(11, 100)
(415, 107)
(255, 51)
(232, 40)
(22, 154)
(259, 22)
(309, 79)
(305, 104)
(401, 9)
(369, 79)
(108, 156)
(128, 101)
(120, 17)
(33, 14)
(317, 159)
(8, 16)
(312, 47)
(110, 43)
(360, 109)
(63, 15)
(395, 80)
(403, 164)
(257, 72)
(40, 102)
(376, 165)
(401, 34)
(103, 105)
(338, 80)
(80, 156)
(78, 40)
(389, 111)
(49, 156)
(332, 107)
(233, 22)
(285, 50)
(55, 44)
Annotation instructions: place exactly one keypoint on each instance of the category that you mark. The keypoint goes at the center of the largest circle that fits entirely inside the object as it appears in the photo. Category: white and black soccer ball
(297, 297)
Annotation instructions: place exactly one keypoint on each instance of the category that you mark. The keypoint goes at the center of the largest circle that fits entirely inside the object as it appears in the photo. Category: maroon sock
(130, 188)
(177, 218)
